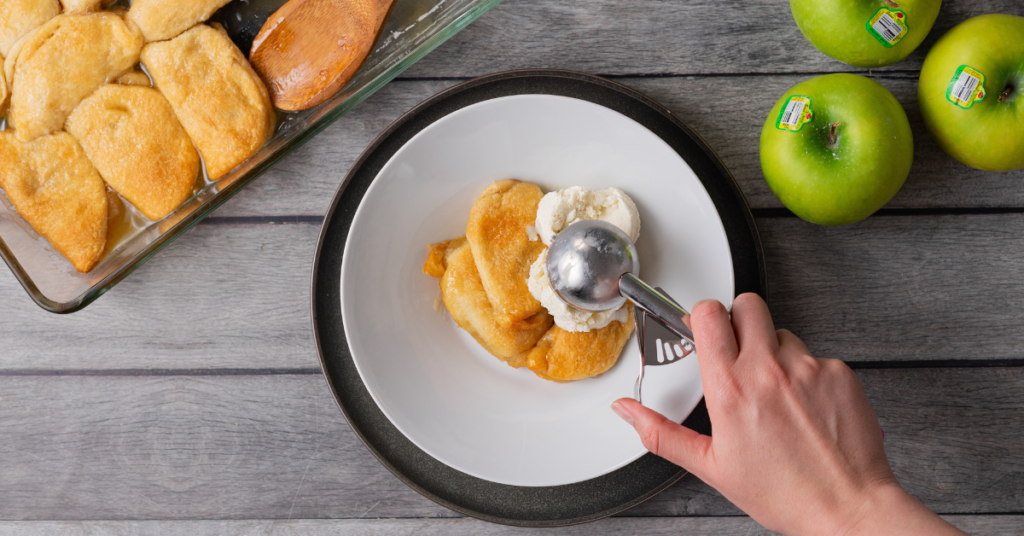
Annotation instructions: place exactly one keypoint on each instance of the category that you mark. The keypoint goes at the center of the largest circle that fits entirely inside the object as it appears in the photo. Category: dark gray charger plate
(500, 503)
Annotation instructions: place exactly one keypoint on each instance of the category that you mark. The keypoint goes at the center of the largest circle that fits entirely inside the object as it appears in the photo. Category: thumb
(672, 441)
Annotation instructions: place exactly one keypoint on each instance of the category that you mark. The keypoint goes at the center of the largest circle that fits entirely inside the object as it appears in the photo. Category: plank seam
(311, 371)
(271, 220)
(893, 73)
(936, 363)
(781, 212)
(293, 371)
(764, 213)
(435, 518)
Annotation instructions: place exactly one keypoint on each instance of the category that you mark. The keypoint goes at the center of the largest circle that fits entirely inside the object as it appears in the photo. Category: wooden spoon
(308, 49)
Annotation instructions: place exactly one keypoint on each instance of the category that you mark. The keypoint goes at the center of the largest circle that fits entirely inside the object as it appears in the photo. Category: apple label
(966, 87)
(888, 26)
(795, 113)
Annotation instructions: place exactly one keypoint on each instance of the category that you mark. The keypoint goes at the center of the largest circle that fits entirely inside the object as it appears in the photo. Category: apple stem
(1006, 93)
(892, 4)
(832, 135)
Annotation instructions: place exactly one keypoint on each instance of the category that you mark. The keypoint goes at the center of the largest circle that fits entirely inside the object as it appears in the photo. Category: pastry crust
(138, 146)
(496, 231)
(19, 17)
(565, 356)
(3, 92)
(54, 67)
(464, 297)
(223, 105)
(164, 19)
(54, 187)
(82, 6)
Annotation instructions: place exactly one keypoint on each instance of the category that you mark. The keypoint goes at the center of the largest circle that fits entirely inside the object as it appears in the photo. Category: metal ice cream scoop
(591, 265)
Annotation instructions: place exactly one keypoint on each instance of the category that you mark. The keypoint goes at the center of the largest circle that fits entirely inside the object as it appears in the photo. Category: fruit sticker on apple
(888, 26)
(966, 87)
(795, 113)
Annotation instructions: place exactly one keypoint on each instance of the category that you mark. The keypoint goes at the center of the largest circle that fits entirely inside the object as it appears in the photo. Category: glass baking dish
(414, 28)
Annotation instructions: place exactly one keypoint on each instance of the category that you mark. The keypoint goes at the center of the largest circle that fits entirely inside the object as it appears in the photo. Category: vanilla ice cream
(558, 210)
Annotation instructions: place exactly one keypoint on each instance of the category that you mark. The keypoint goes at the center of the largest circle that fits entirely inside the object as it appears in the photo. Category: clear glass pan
(414, 28)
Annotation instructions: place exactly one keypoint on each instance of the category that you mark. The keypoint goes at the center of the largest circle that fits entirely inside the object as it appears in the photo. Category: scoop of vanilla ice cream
(566, 316)
(558, 210)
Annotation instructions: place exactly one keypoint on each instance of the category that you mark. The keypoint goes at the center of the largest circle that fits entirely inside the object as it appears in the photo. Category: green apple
(971, 92)
(865, 33)
(843, 158)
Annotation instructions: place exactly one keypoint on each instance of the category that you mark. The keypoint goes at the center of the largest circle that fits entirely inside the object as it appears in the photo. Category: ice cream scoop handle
(656, 305)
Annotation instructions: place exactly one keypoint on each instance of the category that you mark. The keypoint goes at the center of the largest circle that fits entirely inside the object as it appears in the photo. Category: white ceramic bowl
(432, 380)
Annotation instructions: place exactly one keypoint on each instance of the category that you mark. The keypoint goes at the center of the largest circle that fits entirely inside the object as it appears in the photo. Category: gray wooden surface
(188, 400)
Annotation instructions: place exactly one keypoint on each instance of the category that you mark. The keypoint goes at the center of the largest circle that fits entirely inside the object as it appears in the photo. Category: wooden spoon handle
(309, 49)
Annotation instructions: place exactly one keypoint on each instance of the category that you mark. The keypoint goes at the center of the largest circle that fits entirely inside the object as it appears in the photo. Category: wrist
(888, 509)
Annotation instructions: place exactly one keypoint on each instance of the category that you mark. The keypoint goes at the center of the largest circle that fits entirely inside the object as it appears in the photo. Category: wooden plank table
(188, 400)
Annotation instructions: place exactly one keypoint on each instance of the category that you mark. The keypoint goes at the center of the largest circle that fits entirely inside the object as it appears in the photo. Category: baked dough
(503, 250)
(54, 187)
(3, 92)
(565, 356)
(138, 146)
(54, 67)
(18, 17)
(216, 95)
(164, 19)
(464, 297)
(82, 6)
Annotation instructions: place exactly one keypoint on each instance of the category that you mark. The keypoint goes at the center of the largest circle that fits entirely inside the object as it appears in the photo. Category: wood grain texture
(988, 525)
(900, 287)
(664, 37)
(383, 527)
(230, 295)
(180, 447)
(726, 111)
(221, 296)
(276, 447)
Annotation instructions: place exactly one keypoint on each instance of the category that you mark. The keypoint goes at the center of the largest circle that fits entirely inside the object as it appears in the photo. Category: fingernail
(622, 412)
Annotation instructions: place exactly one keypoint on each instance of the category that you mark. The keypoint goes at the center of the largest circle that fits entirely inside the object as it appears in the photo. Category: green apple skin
(990, 134)
(836, 27)
(844, 182)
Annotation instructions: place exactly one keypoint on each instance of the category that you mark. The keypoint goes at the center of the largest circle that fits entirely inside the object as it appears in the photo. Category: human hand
(796, 444)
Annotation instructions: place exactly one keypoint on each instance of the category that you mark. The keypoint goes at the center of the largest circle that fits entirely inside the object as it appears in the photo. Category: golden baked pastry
(3, 92)
(54, 187)
(464, 297)
(18, 17)
(223, 105)
(164, 19)
(565, 356)
(496, 231)
(81, 6)
(54, 67)
(137, 144)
